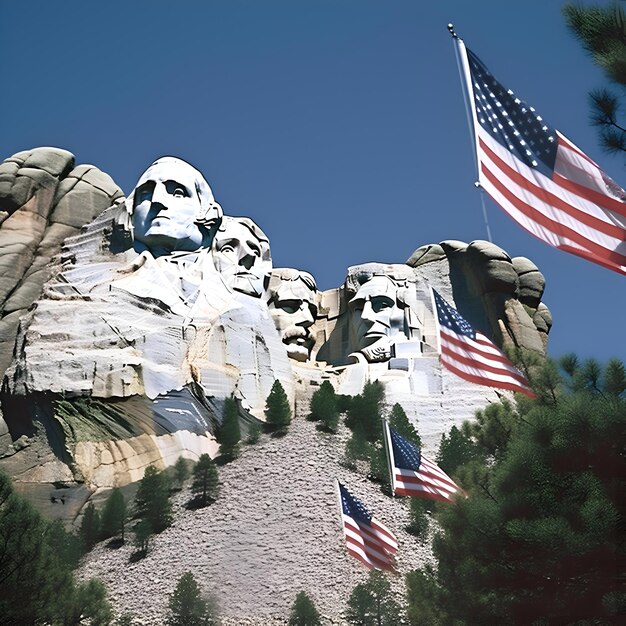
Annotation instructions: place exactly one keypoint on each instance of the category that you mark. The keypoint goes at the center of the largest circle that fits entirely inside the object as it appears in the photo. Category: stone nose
(368, 314)
(247, 260)
(304, 315)
(160, 195)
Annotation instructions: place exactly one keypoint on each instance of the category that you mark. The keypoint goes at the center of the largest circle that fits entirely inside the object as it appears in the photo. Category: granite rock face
(44, 198)
(128, 321)
(497, 294)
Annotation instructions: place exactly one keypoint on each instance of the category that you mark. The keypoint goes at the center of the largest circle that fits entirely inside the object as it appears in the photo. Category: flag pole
(390, 459)
(458, 43)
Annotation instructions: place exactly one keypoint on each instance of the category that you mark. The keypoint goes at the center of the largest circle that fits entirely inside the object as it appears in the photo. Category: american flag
(470, 355)
(540, 178)
(413, 474)
(366, 538)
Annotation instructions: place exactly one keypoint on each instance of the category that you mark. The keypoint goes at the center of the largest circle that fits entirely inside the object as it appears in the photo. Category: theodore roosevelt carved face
(241, 253)
(293, 307)
(172, 208)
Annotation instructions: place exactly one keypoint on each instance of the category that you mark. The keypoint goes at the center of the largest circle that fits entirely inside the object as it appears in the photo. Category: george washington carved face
(172, 208)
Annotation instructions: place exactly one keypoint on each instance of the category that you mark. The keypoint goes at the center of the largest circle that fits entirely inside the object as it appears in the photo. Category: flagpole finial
(452, 31)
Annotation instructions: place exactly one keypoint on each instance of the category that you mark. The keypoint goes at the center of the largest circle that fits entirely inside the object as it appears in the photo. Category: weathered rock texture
(496, 294)
(44, 198)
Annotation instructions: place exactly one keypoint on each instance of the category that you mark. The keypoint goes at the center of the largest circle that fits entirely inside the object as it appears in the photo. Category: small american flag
(470, 355)
(412, 474)
(540, 178)
(366, 538)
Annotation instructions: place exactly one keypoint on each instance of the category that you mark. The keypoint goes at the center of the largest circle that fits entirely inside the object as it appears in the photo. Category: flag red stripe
(369, 564)
(469, 346)
(482, 380)
(465, 360)
(421, 494)
(418, 478)
(558, 228)
(549, 198)
(372, 552)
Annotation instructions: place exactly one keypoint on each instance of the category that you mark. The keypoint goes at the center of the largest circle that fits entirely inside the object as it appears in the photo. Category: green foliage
(324, 407)
(537, 540)
(601, 31)
(455, 449)
(90, 526)
(230, 433)
(254, 433)
(419, 517)
(357, 447)
(205, 484)
(366, 410)
(303, 612)
(370, 603)
(113, 517)
(277, 410)
(89, 605)
(187, 607)
(399, 421)
(36, 560)
(379, 467)
(152, 501)
(142, 533)
(181, 471)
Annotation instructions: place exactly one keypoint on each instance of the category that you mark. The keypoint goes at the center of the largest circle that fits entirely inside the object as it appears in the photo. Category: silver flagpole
(459, 49)
(390, 459)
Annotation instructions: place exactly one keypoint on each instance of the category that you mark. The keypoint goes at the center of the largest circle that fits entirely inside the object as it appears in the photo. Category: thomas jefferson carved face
(173, 208)
(241, 253)
(377, 317)
(293, 308)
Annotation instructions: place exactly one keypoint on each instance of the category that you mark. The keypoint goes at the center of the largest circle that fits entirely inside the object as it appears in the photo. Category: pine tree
(370, 603)
(90, 526)
(186, 605)
(366, 410)
(142, 532)
(230, 433)
(181, 471)
(601, 31)
(152, 501)
(324, 407)
(89, 605)
(399, 421)
(419, 516)
(277, 410)
(205, 485)
(545, 481)
(36, 560)
(303, 612)
(455, 449)
(113, 517)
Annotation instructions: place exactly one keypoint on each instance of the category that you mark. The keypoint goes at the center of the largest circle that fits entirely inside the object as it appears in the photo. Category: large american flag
(413, 474)
(366, 538)
(540, 178)
(472, 356)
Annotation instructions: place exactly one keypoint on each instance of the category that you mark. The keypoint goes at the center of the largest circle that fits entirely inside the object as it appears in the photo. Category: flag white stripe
(537, 202)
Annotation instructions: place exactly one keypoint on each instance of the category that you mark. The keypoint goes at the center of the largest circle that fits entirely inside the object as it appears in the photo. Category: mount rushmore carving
(126, 322)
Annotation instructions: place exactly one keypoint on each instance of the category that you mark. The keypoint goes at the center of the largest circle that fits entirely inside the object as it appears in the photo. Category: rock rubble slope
(274, 531)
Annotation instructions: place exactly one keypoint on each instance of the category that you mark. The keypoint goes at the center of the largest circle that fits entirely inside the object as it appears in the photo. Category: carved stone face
(376, 317)
(166, 207)
(293, 308)
(241, 255)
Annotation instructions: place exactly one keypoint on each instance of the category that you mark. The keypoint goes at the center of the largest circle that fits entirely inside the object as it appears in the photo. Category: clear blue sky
(337, 125)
